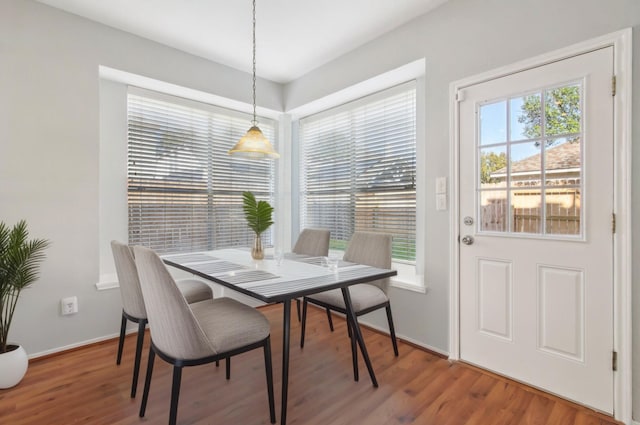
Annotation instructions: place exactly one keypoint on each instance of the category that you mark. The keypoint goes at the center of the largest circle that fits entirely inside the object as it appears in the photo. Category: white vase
(13, 366)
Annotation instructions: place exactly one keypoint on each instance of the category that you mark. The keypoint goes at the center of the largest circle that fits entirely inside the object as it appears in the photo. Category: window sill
(407, 278)
(103, 286)
(107, 281)
(415, 285)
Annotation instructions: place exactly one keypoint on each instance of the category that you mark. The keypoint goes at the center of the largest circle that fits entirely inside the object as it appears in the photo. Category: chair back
(130, 292)
(174, 329)
(313, 242)
(371, 249)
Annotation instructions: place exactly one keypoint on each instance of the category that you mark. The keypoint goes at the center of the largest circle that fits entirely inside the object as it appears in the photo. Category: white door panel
(536, 174)
(494, 299)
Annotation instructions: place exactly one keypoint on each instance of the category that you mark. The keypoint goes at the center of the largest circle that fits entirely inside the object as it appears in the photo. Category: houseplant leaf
(257, 213)
(20, 260)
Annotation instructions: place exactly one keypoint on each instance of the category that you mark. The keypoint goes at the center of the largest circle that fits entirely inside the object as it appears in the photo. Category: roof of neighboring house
(562, 157)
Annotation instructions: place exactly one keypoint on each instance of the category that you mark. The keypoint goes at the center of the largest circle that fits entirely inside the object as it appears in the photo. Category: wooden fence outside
(562, 212)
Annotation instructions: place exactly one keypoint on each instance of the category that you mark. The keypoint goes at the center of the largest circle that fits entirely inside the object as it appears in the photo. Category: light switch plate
(441, 185)
(441, 202)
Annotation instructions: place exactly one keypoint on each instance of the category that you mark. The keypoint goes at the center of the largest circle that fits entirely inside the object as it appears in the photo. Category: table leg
(358, 334)
(354, 350)
(286, 330)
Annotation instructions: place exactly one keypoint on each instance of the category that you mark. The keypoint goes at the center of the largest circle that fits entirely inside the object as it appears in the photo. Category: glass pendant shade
(254, 145)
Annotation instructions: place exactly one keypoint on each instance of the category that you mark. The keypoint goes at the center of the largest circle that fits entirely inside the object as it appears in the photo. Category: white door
(536, 205)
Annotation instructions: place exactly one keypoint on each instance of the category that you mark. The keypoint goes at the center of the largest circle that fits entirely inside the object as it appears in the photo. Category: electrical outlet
(69, 305)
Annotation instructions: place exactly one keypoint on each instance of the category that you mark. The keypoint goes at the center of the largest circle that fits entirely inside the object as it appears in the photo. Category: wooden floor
(85, 386)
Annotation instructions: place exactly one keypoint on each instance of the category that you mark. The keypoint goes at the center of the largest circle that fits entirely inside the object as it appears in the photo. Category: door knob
(467, 240)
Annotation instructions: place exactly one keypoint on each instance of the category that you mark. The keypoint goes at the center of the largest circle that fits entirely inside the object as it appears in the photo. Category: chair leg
(298, 309)
(123, 328)
(147, 382)
(228, 367)
(175, 394)
(136, 364)
(330, 320)
(269, 372)
(304, 322)
(392, 331)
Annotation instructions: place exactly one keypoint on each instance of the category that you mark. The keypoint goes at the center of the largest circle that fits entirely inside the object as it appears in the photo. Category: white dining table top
(295, 276)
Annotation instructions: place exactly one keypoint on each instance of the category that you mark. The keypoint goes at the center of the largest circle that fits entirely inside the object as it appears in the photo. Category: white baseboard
(398, 335)
(134, 330)
(405, 338)
(79, 344)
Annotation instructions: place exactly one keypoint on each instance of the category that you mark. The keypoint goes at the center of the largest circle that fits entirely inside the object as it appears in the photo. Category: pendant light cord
(255, 121)
(254, 145)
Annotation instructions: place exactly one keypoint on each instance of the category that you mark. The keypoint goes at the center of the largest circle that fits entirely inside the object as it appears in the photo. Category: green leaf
(257, 213)
(20, 260)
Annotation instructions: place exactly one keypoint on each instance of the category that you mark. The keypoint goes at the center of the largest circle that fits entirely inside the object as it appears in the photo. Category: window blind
(358, 169)
(184, 190)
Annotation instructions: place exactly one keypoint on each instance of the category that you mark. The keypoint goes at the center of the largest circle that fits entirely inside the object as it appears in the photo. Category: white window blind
(184, 190)
(358, 169)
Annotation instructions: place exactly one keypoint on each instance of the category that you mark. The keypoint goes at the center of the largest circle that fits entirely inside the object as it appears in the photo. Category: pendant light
(253, 144)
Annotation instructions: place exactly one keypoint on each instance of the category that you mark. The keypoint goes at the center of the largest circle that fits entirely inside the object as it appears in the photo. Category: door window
(529, 178)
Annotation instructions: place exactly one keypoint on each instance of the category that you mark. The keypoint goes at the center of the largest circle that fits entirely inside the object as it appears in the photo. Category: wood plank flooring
(85, 386)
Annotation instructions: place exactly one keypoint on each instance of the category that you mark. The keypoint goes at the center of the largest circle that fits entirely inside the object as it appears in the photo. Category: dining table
(281, 280)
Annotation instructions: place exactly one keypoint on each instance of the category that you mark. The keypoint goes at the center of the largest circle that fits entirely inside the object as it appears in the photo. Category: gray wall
(49, 153)
(49, 134)
(460, 39)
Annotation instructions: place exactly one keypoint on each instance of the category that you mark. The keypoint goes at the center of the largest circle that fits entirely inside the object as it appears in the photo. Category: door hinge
(460, 95)
(613, 222)
(614, 361)
(613, 85)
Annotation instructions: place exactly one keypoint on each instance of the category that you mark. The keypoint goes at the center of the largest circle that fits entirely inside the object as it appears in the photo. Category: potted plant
(19, 265)
(258, 215)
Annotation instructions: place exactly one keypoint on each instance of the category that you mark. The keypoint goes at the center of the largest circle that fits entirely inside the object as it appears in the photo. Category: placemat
(217, 267)
(248, 276)
(188, 258)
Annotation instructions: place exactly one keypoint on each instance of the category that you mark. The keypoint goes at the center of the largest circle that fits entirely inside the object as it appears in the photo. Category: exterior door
(536, 208)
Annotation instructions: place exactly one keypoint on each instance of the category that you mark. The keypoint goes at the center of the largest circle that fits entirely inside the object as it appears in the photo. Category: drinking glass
(278, 256)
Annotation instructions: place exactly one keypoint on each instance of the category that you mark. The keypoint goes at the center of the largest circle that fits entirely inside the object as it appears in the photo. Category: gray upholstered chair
(312, 242)
(372, 249)
(193, 334)
(133, 304)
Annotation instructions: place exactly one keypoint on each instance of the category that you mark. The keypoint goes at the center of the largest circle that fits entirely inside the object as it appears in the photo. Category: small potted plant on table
(258, 215)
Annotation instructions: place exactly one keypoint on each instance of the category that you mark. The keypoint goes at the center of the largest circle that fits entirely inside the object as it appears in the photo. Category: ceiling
(293, 36)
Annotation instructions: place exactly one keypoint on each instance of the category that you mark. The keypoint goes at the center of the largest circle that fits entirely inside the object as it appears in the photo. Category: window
(358, 169)
(184, 190)
(530, 163)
